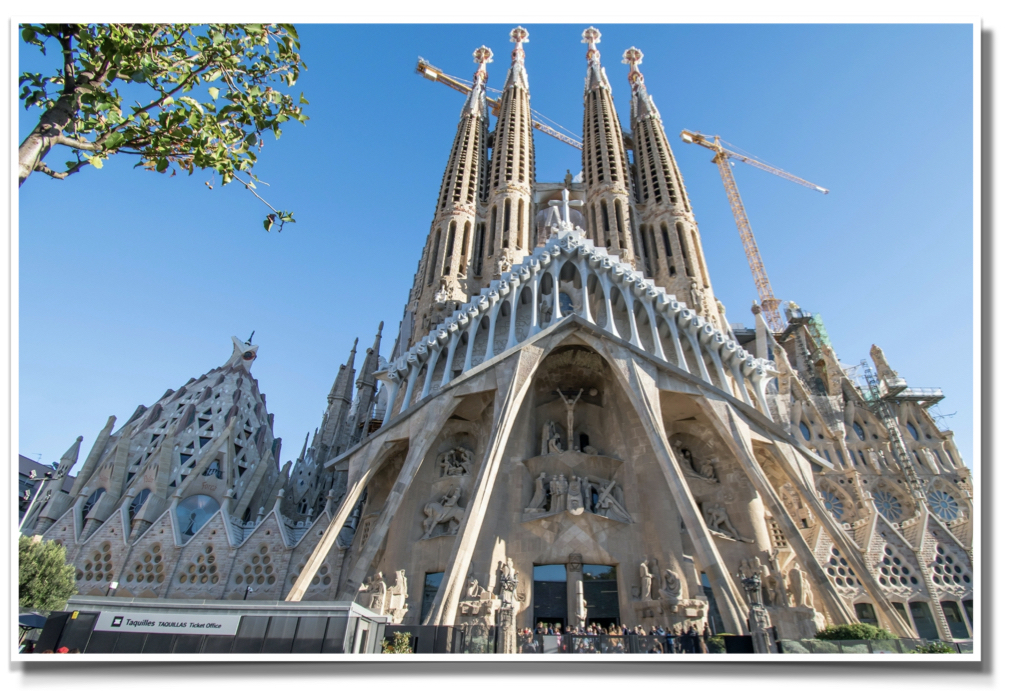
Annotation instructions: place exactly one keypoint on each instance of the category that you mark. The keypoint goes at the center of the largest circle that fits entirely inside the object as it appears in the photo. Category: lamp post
(248, 589)
(31, 476)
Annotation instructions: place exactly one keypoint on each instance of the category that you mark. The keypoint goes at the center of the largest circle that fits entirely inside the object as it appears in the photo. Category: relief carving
(445, 510)
(719, 524)
(455, 462)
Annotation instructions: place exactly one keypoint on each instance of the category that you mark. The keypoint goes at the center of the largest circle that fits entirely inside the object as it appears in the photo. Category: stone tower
(668, 235)
(440, 284)
(510, 175)
(604, 161)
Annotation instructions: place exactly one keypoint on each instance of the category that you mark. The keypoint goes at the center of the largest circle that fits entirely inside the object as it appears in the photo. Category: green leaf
(114, 140)
(28, 34)
(302, 99)
(214, 91)
(162, 165)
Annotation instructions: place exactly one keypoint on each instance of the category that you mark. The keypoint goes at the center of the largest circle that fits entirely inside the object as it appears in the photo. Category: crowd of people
(597, 638)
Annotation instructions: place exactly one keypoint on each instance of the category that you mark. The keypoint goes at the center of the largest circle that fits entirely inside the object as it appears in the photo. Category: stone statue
(546, 309)
(608, 505)
(702, 468)
(800, 594)
(397, 597)
(706, 469)
(581, 607)
(696, 297)
(718, 522)
(672, 587)
(574, 501)
(645, 577)
(539, 495)
(570, 406)
(443, 511)
(375, 588)
(507, 579)
(550, 440)
(456, 462)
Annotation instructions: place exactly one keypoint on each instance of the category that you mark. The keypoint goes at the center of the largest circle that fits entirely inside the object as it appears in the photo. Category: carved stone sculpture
(570, 407)
(550, 439)
(718, 522)
(574, 501)
(396, 605)
(455, 462)
(672, 587)
(701, 468)
(508, 581)
(581, 607)
(539, 495)
(800, 594)
(645, 577)
(477, 605)
(443, 511)
(375, 593)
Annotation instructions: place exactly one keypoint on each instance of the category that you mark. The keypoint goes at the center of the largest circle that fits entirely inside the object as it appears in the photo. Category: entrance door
(550, 595)
(599, 584)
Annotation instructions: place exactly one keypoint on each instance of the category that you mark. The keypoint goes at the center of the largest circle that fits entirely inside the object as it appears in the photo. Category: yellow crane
(769, 303)
(429, 71)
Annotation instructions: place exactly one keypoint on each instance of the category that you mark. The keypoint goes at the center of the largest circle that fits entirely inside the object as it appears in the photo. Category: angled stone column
(735, 433)
(785, 453)
(425, 426)
(642, 390)
(511, 391)
(376, 454)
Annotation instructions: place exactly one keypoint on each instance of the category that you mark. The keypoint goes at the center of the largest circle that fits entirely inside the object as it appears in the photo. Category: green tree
(399, 646)
(933, 648)
(175, 96)
(45, 579)
(855, 632)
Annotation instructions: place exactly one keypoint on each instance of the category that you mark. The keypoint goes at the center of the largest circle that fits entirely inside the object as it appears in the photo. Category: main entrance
(550, 595)
(599, 585)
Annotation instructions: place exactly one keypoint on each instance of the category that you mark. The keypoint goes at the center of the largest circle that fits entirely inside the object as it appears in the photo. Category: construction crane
(769, 303)
(429, 71)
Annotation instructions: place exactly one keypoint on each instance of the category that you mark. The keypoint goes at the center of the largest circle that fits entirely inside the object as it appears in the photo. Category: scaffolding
(880, 406)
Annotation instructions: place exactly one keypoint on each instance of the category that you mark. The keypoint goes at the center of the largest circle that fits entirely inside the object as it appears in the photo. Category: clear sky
(133, 282)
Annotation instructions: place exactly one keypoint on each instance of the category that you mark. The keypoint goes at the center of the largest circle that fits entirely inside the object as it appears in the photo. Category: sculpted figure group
(446, 510)
(695, 466)
(578, 494)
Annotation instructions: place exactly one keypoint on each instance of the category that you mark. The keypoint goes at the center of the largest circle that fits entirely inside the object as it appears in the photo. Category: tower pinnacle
(633, 57)
(592, 36)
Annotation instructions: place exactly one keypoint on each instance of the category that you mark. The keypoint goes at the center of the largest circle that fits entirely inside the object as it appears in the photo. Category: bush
(855, 632)
(934, 647)
(400, 644)
(716, 644)
(45, 580)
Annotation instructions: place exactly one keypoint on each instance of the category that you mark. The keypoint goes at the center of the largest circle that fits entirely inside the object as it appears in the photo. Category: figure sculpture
(570, 407)
(645, 576)
(375, 588)
(443, 511)
(455, 462)
(550, 440)
(696, 303)
(718, 522)
(581, 606)
(672, 587)
(539, 495)
(800, 594)
(574, 503)
(507, 579)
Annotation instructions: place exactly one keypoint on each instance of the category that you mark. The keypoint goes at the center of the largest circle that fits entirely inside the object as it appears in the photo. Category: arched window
(478, 251)
(859, 431)
(138, 503)
(645, 251)
(494, 229)
(92, 500)
(804, 430)
(911, 430)
(506, 225)
(450, 245)
(194, 511)
(605, 216)
(683, 249)
(519, 228)
(433, 257)
(620, 223)
(464, 246)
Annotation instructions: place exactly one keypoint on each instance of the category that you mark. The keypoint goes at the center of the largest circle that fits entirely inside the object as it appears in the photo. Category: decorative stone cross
(633, 56)
(482, 56)
(565, 203)
(592, 37)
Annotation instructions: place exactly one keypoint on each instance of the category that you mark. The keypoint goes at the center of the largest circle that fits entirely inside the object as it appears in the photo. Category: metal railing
(576, 644)
(895, 646)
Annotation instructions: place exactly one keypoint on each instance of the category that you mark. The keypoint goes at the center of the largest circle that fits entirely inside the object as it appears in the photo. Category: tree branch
(43, 168)
(75, 143)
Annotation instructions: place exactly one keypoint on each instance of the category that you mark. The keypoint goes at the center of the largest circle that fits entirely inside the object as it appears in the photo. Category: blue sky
(133, 282)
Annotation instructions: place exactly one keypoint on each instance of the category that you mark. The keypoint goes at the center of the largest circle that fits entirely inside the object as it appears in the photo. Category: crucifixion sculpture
(570, 405)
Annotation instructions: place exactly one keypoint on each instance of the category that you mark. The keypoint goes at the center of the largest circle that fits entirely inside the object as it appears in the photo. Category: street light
(31, 476)
(248, 589)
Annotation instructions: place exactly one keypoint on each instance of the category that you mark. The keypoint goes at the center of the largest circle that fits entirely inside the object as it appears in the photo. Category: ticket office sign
(156, 622)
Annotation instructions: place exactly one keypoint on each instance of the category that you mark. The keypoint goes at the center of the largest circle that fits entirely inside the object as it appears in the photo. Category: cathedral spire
(667, 233)
(505, 231)
(366, 386)
(441, 281)
(604, 161)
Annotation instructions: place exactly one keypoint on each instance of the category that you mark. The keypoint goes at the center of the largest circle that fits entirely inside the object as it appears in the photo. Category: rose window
(839, 571)
(833, 504)
(893, 570)
(943, 505)
(947, 570)
(888, 505)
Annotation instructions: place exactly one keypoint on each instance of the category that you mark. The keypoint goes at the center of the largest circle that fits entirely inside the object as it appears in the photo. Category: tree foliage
(933, 648)
(399, 646)
(178, 97)
(855, 632)
(45, 579)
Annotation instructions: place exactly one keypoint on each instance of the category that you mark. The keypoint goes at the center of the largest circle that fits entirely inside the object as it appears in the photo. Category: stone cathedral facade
(567, 430)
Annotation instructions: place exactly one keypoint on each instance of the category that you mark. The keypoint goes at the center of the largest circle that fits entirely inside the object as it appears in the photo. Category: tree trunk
(51, 125)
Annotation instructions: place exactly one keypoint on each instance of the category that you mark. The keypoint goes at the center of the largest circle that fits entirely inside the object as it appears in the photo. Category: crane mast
(769, 303)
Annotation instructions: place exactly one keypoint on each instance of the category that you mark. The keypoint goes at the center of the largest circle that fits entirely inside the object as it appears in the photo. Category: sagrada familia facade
(567, 430)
